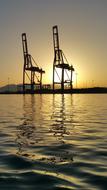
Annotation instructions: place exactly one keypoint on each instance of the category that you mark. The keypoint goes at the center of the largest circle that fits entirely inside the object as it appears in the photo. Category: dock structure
(31, 70)
(60, 62)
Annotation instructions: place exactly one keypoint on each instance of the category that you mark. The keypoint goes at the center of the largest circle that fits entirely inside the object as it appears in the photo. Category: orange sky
(83, 37)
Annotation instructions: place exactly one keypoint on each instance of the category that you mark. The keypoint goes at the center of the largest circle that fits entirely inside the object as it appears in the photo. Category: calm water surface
(53, 142)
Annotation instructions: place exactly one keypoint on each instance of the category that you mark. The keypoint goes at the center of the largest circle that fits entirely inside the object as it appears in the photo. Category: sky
(82, 28)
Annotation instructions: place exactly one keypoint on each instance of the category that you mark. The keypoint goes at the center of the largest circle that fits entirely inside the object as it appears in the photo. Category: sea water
(53, 142)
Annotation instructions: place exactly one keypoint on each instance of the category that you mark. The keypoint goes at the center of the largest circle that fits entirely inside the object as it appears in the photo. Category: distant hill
(9, 88)
(17, 89)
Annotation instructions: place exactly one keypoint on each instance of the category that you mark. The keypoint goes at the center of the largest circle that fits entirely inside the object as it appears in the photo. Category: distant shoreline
(95, 90)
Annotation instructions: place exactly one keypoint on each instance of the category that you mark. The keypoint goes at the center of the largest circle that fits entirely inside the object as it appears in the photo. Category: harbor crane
(60, 62)
(30, 70)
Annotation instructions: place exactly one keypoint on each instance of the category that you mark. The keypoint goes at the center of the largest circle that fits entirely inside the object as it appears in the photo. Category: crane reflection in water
(44, 134)
(27, 136)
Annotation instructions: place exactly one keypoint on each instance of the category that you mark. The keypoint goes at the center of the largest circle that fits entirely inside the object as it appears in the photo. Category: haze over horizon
(82, 28)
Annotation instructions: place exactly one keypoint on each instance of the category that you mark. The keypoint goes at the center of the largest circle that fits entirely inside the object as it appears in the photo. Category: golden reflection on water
(61, 176)
(61, 136)
(59, 117)
(26, 135)
(45, 124)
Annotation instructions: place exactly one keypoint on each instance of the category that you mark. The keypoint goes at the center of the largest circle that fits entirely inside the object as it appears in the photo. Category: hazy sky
(83, 37)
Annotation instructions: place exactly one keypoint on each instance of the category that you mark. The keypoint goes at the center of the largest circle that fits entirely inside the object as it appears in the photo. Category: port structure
(60, 62)
(30, 66)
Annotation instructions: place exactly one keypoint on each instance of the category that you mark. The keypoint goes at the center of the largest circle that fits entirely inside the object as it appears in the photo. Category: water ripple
(53, 142)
